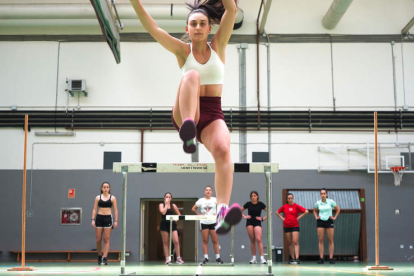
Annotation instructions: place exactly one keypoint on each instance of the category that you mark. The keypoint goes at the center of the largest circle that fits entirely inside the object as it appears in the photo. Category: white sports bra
(211, 72)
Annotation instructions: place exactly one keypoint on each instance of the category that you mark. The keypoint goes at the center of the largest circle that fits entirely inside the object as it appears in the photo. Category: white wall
(148, 76)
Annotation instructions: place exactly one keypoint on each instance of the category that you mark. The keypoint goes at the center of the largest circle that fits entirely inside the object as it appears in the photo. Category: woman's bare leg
(165, 243)
(98, 234)
(216, 138)
(187, 103)
(295, 242)
(258, 238)
(107, 235)
(250, 232)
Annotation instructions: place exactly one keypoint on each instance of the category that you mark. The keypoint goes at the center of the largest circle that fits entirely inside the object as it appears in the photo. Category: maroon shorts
(210, 110)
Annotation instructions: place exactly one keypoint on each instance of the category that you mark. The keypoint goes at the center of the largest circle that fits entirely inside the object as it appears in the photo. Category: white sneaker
(263, 260)
(253, 261)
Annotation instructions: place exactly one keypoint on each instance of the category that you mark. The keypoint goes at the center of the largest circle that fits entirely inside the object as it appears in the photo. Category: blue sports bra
(211, 72)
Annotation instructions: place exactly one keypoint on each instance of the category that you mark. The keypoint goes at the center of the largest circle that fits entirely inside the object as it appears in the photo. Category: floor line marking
(199, 270)
(336, 270)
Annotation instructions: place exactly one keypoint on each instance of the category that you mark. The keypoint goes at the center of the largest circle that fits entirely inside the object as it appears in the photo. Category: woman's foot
(205, 261)
(179, 260)
(167, 261)
(99, 259)
(228, 217)
(104, 261)
(320, 261)
(188, 132)
(253, 260)
(263, 260)
(219, 261)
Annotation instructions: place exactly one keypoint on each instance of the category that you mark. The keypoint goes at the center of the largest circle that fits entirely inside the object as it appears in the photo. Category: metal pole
(123, 238)
(269, 218)
(393, 74)
(376, 191)
(232, 245)
(170, 256)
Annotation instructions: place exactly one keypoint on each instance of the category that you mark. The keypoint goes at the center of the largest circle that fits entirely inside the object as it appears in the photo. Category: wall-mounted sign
(70, 216)
(71, 193)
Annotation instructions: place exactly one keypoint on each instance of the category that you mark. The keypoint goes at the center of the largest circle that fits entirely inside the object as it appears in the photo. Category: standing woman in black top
(102, 221)
(169, 208)
(254, 225)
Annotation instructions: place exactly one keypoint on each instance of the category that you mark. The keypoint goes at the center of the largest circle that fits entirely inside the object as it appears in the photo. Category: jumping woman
(197, 110)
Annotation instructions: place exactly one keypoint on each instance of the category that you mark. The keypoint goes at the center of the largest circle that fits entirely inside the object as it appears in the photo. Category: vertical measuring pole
(268, 174)
(123, 235)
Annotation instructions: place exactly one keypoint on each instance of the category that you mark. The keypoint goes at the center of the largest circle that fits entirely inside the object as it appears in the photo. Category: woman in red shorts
(291, 219)
(197, 110)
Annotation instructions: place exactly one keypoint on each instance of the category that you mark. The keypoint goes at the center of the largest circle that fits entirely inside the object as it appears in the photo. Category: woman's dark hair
(288, 194)
(168, 193)
(106, 182)
(254, 192)
(213, 9)
(324, 189)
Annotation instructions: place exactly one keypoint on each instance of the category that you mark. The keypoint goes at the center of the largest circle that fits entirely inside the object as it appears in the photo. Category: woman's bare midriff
(104, 211)
(211, 90)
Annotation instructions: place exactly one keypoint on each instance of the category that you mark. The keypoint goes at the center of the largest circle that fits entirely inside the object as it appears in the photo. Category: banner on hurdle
(191, 167)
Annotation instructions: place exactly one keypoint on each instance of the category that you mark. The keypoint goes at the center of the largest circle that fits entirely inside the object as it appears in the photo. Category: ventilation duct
(335, 13)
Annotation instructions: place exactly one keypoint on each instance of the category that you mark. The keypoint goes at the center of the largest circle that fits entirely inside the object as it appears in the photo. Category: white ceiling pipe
(85, 11)
(79, 23)
(335, 13)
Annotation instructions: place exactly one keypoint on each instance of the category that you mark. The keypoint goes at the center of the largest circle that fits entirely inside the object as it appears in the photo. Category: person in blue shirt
(325, 223)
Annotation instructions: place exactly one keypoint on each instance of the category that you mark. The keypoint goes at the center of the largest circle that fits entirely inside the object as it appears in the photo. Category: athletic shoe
(104, 261)
(219, 261)
(228, 217)
(99, 259)
(298, 261)
(292, 262)
(167, 261)
(331, 261)
(179, 261)
(188, 132)
(320, 261)
(253, 261)
(263, 260)
(205, 261)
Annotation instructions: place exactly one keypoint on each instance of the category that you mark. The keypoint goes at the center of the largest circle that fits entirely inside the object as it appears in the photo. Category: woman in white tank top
(197, 109)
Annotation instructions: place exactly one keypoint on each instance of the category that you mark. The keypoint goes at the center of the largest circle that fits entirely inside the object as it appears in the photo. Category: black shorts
(325, 223)
(103, 221)
(208, 226)
(291, 229)
(165, 226)
(253, 222)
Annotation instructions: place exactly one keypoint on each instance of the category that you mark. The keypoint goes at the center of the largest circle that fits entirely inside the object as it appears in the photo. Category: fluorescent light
(47, 133)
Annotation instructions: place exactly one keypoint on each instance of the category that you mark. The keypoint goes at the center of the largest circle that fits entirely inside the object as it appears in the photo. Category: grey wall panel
(50, 188)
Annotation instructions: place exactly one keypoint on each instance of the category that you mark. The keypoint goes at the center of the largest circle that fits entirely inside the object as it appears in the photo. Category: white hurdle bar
(197, 218)
(266, 168)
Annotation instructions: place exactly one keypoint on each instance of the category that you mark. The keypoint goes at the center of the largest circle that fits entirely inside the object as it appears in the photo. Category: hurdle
(125, 168)
(198, 218)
